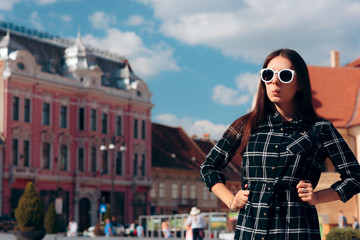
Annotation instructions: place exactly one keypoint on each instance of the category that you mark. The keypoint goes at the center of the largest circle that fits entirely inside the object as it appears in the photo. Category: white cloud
(66, 18)
(124, 43)
(8, 4)
(44, 2)
(251, 29)
(135, 20)
(152, 61)
(201, 127)
(169, 119)
(101, 20)
(145, 61)
(36, 21)
(228, 96)
(247, 84)
(191, 126)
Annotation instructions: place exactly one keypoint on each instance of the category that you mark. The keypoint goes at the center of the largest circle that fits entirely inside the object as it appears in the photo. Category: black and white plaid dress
(279, 155)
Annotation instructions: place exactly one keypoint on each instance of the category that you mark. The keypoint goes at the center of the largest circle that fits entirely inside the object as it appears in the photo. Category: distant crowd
(343, 223)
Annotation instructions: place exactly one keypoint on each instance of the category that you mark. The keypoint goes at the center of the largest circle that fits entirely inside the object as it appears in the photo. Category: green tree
(29, 213)
(51, 225)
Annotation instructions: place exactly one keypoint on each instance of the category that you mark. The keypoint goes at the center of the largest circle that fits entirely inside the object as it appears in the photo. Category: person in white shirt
(197, 223)
(72, 228)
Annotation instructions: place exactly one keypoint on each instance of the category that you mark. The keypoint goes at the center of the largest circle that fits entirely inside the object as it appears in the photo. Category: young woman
(283, 145)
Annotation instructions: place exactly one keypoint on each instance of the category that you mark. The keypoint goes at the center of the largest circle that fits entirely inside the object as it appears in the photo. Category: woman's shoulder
(321, 120)
(241, 121)
(323, 127)
(322, 124)
(236, 128)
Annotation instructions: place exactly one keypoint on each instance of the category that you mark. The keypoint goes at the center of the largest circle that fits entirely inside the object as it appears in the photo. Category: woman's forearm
(223, 193)
(325, 195)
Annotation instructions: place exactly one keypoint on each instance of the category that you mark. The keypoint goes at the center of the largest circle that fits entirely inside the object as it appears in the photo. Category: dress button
(264, 213)
(262, 238)
(272, 168)
(276, 146)
(281, 129)
(269, 188)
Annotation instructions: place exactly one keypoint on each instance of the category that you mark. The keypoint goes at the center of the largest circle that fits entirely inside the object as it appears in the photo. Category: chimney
(335, 59)
(206, 136)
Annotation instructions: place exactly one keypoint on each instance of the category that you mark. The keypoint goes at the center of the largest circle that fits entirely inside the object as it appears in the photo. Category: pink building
(77, 122)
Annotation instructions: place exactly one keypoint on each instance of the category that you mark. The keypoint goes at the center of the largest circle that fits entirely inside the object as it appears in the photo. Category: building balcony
(24, 172)
(180, 204)
(143, 181)
(187, 202)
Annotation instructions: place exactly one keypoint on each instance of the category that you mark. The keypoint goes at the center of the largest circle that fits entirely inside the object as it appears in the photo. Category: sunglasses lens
(267, 75)
(285, 75)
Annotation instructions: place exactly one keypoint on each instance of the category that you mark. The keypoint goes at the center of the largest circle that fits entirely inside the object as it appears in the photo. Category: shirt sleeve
(191, 221)
(218, 158)
(343, 159)
(188, 221)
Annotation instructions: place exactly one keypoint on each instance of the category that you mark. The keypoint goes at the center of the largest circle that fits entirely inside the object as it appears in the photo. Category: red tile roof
(172, 148)
(336, 94)
(355, 63)
(205, 145)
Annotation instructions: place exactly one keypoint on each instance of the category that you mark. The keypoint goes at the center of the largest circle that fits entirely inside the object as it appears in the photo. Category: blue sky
(200, 58)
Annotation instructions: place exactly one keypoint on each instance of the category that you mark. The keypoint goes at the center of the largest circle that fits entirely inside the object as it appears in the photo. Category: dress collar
(274, 120)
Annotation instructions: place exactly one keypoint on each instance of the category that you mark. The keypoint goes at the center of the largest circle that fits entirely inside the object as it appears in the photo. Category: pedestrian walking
(197, 223)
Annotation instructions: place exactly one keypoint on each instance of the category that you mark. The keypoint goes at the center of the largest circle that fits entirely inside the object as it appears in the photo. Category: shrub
(29, 213)
(51, 219)
(343, 234)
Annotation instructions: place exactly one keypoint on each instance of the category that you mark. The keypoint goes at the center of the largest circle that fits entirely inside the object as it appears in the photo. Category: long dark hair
(263, 105)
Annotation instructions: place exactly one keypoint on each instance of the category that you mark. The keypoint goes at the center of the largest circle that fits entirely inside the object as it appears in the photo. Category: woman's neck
(287, 113)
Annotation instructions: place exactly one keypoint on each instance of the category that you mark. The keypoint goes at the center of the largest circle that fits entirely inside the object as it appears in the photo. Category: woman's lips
(276, 92)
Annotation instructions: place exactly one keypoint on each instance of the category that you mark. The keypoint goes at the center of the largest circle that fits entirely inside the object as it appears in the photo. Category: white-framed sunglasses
(284, 75)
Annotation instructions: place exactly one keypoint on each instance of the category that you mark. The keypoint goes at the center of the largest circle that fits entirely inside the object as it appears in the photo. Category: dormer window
(21, 66)
(138, 93)
(105, 80)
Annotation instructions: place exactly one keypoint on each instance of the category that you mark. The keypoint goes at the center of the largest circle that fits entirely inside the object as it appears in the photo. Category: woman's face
(281, 94)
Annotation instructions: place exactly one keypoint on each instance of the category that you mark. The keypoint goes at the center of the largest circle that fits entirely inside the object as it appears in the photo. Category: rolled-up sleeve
(218, 158)
(343, 159)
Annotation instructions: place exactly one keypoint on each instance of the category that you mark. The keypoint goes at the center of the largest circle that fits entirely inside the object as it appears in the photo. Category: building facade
(177, 186)
(77, 122)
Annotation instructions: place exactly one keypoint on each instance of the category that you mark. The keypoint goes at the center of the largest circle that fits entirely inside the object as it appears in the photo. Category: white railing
(152, 225)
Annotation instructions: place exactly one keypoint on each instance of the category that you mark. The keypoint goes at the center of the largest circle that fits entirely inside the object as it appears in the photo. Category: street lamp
(123, 147)
(103, 147)
(112, 147)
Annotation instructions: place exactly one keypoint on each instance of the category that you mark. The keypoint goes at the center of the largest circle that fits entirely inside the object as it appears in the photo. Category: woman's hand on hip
(306, 192)
(240, 200)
